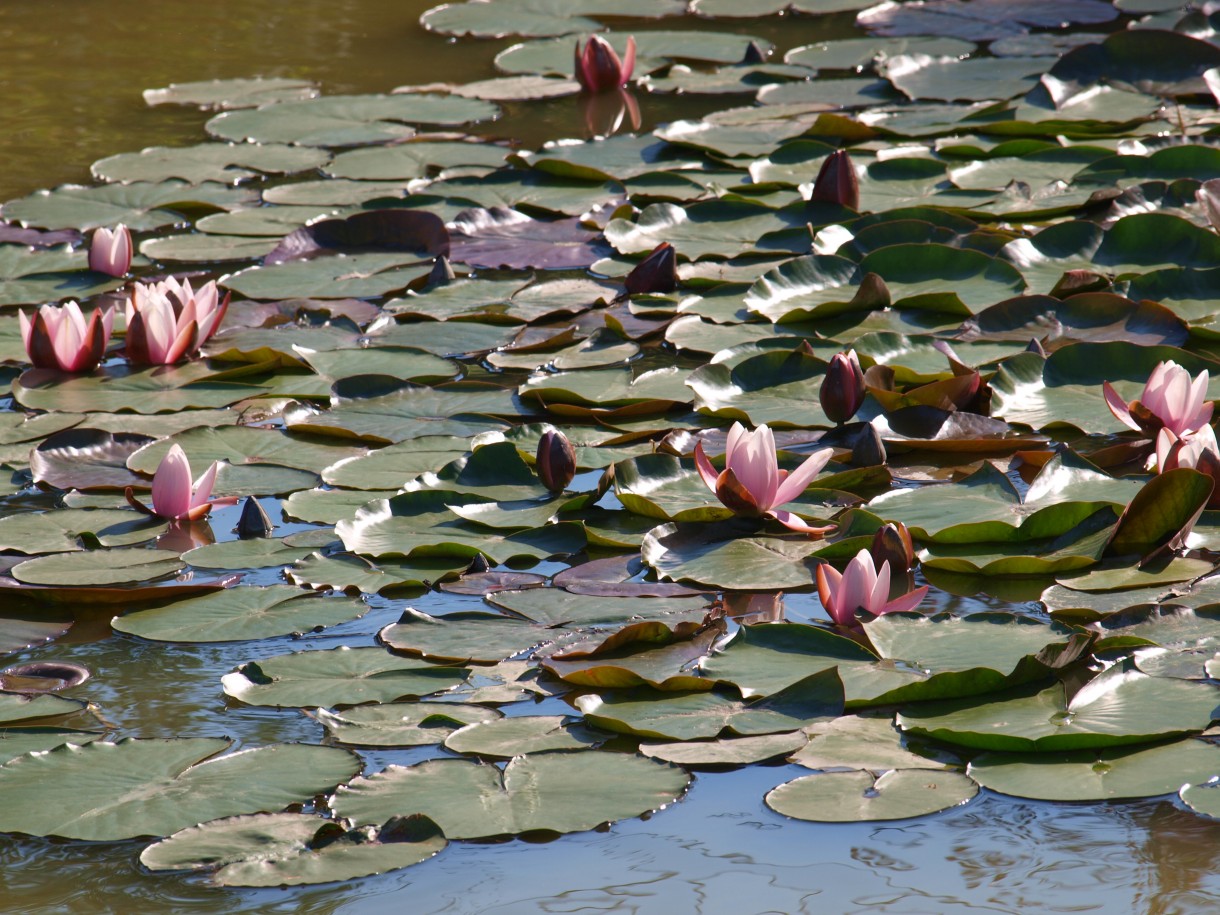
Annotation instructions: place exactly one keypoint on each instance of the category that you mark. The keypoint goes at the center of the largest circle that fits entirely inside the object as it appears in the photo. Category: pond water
(73, 74)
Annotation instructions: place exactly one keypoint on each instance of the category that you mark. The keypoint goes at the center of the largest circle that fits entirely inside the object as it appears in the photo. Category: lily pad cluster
(415, 307)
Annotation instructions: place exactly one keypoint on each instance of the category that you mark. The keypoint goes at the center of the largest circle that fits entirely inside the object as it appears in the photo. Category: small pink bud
(837, 182)
(110, 251)
(598, 68)
(842, 389)
(556, 460)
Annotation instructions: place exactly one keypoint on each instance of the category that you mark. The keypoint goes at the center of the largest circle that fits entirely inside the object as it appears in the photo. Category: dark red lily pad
(395, 229)
(501, 237)
(611, 577)
(87, 459)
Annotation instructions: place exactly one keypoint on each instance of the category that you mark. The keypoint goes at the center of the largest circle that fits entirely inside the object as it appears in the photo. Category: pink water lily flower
(598, 68)
(861, 587)
(752, 483)
(59, 337)
(1170, 400)
(110, 251)
(174, 495)
(169, 321)
(1197, 450)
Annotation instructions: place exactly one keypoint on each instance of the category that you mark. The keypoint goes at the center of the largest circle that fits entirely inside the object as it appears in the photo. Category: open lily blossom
(752, 484)
(174, 495)
(1197, 450)
(598, 67)
(169, 321)
(861, 586)
(110, 251)
(1170, 400)
(59, 337)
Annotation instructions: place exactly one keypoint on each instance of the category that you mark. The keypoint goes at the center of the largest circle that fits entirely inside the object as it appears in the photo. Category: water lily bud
(110, 251)
(556, 460)
(658, 272)
(442, 272)
(868, 450)
(754, 54)
(842, 389)
(253, 522)
(892, 543)
(598, 68)
(58, 337)
(837, 182)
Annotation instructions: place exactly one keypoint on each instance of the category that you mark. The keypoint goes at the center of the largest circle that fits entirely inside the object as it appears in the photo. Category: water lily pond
(655, 456)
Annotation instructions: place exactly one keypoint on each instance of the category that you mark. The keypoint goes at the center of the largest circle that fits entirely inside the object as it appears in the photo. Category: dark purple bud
(842, 389)
(837, 182)
(253, 522)
(442, 272)
(658, 272)
(868, 450)
(556, 463)
(892, 543)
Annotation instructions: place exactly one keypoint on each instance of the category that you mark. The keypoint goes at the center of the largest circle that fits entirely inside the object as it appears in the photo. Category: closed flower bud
(837, 182)
(556, 461)
(658, 272)
(892, 543)
(110, 251)
(842, 389)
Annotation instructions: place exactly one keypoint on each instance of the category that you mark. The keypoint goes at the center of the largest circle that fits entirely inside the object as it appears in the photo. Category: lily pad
(854, 797)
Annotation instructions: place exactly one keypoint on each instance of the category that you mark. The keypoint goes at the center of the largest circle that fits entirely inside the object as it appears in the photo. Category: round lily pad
(853, 797)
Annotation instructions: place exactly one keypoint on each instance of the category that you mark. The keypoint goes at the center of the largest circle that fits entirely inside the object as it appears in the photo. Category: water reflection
(605, 112)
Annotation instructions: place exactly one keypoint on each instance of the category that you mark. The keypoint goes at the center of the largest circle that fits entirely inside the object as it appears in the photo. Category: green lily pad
(463, 637)
(239, 613)
(226, 163)
(401, 724)
(1119, 706)
(505, 738)
(548, 791)
(231, 93)
(142, 787)
(1111, 774)
(98, 567)
(854, 742)
(293, 849)
(346, 676)
(729, 751)
(695, 715)
(345, 120)
(856, 797)
(141, 206)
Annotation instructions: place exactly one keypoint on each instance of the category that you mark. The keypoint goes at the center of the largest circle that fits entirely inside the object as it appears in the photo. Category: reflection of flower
(598, 68)
(861, 587)
(174, 496)
(1170, 400)
(185, 535)
(604, 112)
(752, 484)
(58, 337)
(168, 320)
(1197, 450)
(110, 251)
(842, 389)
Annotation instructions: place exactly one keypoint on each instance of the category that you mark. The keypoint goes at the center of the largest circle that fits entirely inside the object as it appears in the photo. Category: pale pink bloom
(861, 587)
(174, 495)
(598, 68)
(752, 483)
(1197, 450)
(110, 251)
(59, 337)
(1170, 400)
(168, 321)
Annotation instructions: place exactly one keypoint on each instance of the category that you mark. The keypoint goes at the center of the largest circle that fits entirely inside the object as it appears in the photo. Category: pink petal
(706, 471)
(796, 482)
(1119, 407)
(906, 602)
(628, 62)
(733, 440)
(26, 328)
(830, 583)
(1165, 459)
(749, 466)
(202, 489)
(171, 488)
(795, 523)
(858, 580)
(881, 590)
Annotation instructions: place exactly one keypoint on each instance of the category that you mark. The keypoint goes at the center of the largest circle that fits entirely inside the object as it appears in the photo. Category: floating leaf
(853, 797)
